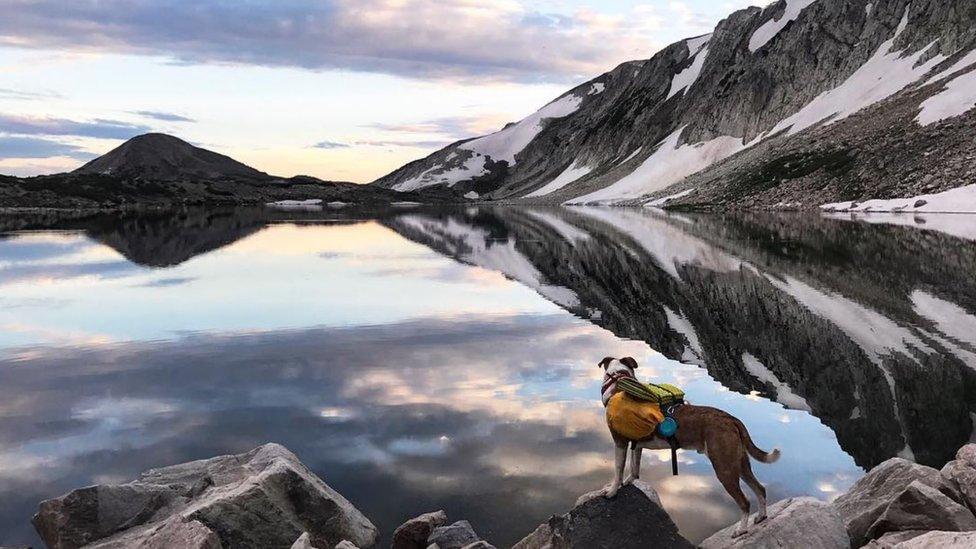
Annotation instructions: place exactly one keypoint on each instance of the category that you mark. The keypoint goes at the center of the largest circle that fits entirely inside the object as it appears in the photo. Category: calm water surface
(421, 359)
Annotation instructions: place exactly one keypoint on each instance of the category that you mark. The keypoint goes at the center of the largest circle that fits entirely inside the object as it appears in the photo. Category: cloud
(164, 116)
(98, 128)
(470, 39)
(456, 127)
(419, 143)
(330, 145)
(35, 147)
(10, 93)
(168, 282)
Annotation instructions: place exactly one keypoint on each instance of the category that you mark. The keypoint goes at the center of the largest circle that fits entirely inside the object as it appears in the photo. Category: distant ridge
(161, 157)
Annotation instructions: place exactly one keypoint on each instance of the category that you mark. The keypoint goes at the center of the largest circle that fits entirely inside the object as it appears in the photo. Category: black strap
(673, 441)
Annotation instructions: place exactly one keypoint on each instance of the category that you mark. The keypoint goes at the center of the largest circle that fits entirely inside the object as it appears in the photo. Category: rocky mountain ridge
(799, 104)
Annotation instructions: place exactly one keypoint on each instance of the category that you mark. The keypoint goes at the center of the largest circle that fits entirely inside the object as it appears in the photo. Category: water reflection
(411, 381)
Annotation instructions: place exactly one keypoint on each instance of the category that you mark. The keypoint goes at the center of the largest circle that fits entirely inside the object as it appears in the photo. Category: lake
(420, 359)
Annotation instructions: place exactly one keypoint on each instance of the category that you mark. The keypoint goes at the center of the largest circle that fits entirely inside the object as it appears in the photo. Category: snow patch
(958, 97)
(472, 167)
(310, 205)
(669, 164)
(684, 79)
(693, 353)
(570, 174)
(868, 9)
(771, 28)
(631, 156)
(573, 235)
(886, 73)
(784, 394)
(958, 200)
(471, 195)
(950, 319)
(665, 199)
(597, 88)
(503, 145)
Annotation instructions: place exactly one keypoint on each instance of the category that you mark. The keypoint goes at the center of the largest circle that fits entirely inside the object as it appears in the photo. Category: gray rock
(644, 487)
(627, 521)
(263, 498)
(346, 544)
(413, 534)
(941, 540)
(921, 507)
(793, 522)
(173, 532)
(960, 475)
(891, 539)
(864, 502)
(304, 541)
(480, 545)
(454, 536)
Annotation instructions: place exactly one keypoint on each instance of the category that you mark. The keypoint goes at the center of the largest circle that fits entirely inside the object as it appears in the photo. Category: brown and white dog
(710, 431)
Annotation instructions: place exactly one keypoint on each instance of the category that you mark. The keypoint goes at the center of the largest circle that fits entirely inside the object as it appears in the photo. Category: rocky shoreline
(267, 498)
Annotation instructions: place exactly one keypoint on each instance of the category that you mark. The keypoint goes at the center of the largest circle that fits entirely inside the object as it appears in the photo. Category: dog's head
(612, 366)
(613, 370)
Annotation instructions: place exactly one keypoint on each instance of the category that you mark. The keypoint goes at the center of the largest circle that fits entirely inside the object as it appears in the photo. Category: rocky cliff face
(804, 102)
(793, 308)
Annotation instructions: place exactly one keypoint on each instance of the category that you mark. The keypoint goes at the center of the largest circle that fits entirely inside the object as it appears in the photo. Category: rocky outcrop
(794, 522)
(921, 507)
(454, 536)
(414, 533)
(960, 475)
(263, 498)
(632, 519)
(942, 540)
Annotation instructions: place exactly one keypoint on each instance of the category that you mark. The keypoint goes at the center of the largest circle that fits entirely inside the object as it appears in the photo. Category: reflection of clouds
(50, 336)
(472, 415)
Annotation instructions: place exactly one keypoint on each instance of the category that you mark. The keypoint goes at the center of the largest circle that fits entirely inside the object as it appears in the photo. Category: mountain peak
(160, 156)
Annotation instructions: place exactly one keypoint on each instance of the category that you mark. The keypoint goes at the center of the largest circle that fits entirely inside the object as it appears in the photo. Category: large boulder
(891, 539)
(413, 534)
(454, 536)
(793, 522)
(921, 507)
(864, 502)
(941, 540)
(633, 519)
(960, 475)
(263, 498)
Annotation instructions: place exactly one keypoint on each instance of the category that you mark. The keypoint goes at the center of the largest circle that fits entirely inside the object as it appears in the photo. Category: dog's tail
(754, 451)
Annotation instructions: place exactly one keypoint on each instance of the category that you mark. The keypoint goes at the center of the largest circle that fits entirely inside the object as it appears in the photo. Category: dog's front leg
(620, 462)
(635, 465)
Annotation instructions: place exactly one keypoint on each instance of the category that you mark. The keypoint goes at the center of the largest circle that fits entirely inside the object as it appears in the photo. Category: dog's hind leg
(635, 465)
(726, 460)
(619, 463)
(756, 486)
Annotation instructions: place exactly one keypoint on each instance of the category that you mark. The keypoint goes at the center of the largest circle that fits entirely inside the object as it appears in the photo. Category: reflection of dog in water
(710, 431)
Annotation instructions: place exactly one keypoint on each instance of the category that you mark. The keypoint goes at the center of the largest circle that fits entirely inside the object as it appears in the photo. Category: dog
(710, 431)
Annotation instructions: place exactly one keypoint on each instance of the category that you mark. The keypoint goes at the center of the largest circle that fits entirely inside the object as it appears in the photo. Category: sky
(339, 89)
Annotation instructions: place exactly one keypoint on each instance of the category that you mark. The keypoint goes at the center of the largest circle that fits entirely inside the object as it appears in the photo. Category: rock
(793, 522)
(480, 545)
(891, 539)
(644, 487)
(173, 532)
(455, 536)
(960, 475)
(921, 507)
(941, 540)
(413, 534)
(304, 541)
(346, 544)
(627, 521)
(263, 498)
(864, 502)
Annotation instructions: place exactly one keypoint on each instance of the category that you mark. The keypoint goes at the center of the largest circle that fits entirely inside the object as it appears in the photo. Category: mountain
(162, 157)
(162, 171)
(803, 103)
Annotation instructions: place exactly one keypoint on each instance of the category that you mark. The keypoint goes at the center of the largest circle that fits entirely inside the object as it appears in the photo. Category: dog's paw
(629, 480)
(738, 533)
(611, 491)
(759, 519)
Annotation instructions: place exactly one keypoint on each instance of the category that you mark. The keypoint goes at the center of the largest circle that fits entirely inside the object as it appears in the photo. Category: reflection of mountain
(164, 238)
(867, 327)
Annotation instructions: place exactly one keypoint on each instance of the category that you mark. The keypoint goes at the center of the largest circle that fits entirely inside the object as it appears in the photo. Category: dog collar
(613, 378)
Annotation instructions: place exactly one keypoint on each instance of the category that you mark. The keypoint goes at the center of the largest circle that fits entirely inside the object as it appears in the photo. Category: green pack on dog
(661, 393)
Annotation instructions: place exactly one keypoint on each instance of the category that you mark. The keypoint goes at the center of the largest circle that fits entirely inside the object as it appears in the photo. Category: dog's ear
(606, 361)
(629, 362)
